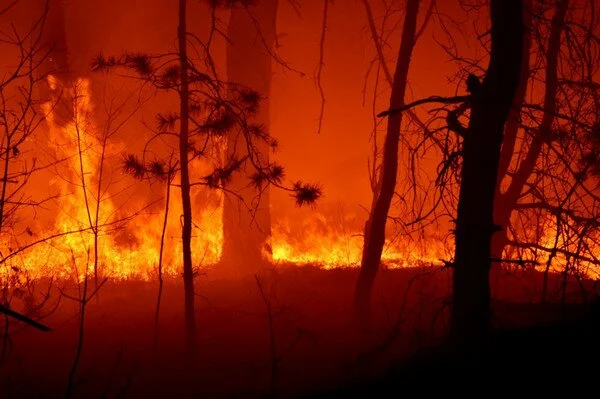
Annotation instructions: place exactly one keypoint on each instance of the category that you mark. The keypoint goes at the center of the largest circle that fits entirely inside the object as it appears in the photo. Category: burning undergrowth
(96, 206)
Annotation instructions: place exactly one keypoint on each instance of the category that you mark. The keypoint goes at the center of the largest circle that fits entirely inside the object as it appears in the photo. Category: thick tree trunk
(186, 232)
(56, 63)
(246, 233)
(375, 228)
(507, 201)
(502, 210)
(491, 105)
(55, 38)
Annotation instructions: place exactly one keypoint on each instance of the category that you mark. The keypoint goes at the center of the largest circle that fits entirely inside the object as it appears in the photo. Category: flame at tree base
(91, 233)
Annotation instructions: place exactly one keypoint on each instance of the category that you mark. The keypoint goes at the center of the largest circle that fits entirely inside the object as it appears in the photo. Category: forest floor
(310, 344)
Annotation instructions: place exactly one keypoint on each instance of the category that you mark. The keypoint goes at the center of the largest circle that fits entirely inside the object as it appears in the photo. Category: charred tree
(513, 124)
(247, 227)
(490, 108)
(507, 201)
(186, 230)
(375, 227)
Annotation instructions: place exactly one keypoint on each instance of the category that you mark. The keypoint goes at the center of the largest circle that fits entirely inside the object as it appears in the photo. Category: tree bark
(375, 228)
(186, 232)
(502, 210)
(246, 233)
(470, 319)
(507, 201)
(56, 63)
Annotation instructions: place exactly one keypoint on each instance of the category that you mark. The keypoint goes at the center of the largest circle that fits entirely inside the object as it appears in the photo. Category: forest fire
(268, 198)
(322, 241)
(81, 212)
(323, 244)
(85, 212)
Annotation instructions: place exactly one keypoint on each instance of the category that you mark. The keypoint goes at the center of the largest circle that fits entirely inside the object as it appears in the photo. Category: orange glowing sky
(336, 158)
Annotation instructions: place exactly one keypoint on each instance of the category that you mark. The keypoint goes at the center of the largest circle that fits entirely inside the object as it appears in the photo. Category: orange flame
(85, 203)
(332, 248)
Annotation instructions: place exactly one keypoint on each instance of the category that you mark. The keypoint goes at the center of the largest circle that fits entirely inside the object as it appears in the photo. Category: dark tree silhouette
(482, 143)
(26, 52)
(375, 228)
(507, 200)
(184, 137)
(510, 136)
(24, 319)
(247, 229)
(546, 205)
(209, 110)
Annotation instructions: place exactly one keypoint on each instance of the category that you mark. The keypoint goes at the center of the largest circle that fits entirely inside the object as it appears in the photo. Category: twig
(160, 260)
(272, 342)
(80, 336)
(428, 100)
(321, 64)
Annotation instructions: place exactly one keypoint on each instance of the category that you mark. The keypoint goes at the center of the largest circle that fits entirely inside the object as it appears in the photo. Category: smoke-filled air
(298, 199)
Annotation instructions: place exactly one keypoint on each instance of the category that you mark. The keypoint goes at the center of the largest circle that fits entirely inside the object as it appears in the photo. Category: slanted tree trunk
(502, 209)
(491, 104)
(186, 231)
(511, 130)
(507, 201)
(251, 35)
(375, 228)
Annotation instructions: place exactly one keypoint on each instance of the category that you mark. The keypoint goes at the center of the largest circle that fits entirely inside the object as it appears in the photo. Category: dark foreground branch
(24, 319)
(428, 100)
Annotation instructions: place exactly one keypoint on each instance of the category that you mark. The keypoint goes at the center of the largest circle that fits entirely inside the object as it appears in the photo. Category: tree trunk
(375, 228)
(161, 257)
(186, 233)
(56, 63)
(470, 319)
(507, 201)
(502, 210)
(246, 233)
